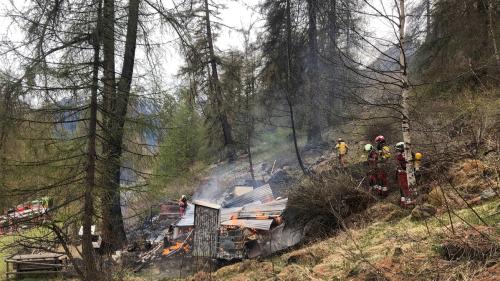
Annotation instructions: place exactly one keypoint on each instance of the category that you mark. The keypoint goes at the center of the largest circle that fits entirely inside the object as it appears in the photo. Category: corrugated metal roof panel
(270, 209)
(256, 224)
(262, 194)
(228, 213)
(275, 205)
(188, 218)
(206, 204)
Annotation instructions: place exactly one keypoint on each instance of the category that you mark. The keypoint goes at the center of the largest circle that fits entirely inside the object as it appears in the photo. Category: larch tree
(116, 97)
(56, 120)
(215, 87)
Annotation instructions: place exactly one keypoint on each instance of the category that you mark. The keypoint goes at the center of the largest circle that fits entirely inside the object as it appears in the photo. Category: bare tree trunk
(110, 189)
(88, 209)
(410, 171)
(332, 21)
(314, 130)
(217, 90)
(108, 42)
(491, 25)
(6, 112)
(289, 83)
(249, 92)
(348, 31)
(250, 121)
(427, 19)
(249, 137)
(113, 228)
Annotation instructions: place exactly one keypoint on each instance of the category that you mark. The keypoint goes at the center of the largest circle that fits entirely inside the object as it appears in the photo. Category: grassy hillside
(390, 248)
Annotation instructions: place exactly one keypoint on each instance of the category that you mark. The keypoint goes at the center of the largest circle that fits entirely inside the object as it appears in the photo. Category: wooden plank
(206, 225)
(35, 272)
(37, 263)
(37, 256)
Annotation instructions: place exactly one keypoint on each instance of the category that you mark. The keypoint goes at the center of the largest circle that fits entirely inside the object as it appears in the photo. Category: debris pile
(471, 244)
(250, 222)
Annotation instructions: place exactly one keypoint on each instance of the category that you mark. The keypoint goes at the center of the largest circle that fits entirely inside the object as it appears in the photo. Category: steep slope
(387, 249)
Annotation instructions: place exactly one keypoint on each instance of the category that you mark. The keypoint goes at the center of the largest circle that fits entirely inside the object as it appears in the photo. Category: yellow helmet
(418, 156)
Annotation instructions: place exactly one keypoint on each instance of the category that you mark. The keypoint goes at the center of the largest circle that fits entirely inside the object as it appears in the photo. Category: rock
(423, 211)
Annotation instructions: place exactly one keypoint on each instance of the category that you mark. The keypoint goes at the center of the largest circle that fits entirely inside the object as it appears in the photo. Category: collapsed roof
(255, 209)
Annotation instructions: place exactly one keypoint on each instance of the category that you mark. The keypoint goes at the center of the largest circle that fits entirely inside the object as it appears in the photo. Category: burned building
(245, 225)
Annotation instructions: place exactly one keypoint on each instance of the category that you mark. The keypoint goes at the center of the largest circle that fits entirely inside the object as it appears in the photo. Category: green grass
(8, 244)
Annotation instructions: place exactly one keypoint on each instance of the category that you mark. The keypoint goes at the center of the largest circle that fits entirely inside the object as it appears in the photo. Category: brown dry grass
(469, 244)
(469, 176)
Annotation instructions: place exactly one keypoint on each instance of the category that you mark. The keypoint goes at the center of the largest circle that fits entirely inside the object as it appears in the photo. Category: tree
(71, 122)
(58, 69)
(289, 82)
(115, 106)
(215, 87)
(203, 70)
(181, 146)
(405, 95)
(251, 60)
(314, 124)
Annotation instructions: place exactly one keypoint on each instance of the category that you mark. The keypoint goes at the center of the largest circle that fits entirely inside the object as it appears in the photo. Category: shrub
(321, 204)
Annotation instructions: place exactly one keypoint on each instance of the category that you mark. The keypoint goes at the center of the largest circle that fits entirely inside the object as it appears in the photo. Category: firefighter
(342, 150)
(183, 205)
(379, 142)
(418, 161)
(401, 175)
(418, 165)
(400, 156)
(383, 149)
(377, 177)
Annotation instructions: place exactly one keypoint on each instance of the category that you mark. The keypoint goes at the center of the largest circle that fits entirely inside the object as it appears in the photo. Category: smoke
(210, 191)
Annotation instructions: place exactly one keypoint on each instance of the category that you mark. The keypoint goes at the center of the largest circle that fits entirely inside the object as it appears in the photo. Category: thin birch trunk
(405, 96)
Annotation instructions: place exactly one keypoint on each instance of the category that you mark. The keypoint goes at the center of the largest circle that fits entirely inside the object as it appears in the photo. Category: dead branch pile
(321, 204)
(479, 244)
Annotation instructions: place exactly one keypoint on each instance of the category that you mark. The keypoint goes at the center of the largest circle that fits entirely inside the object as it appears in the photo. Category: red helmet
(380, 139)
